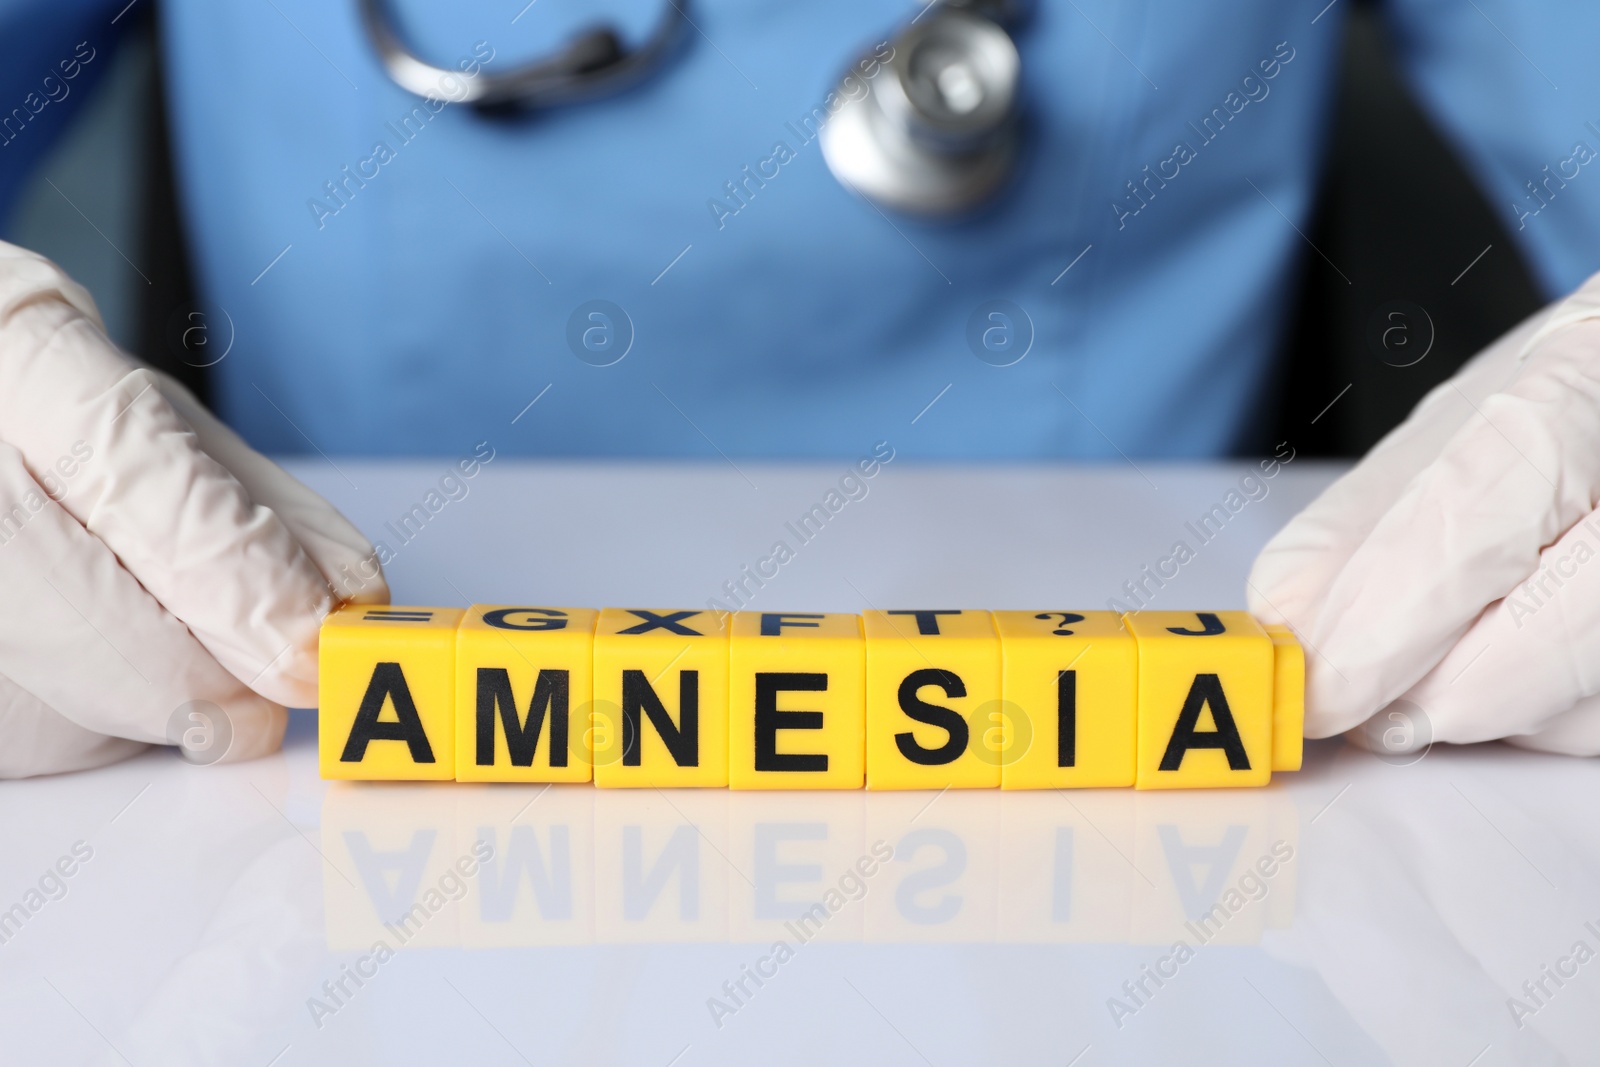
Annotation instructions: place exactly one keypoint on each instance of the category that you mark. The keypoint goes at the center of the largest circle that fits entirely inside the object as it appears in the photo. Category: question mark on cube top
(1067, 619)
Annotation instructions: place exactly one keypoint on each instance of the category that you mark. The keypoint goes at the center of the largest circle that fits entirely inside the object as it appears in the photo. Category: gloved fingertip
(1263, 609)
(101, 751)
(261, 734)
(244, 729)
(290, 680)
(1329, 708)
(1574, 732)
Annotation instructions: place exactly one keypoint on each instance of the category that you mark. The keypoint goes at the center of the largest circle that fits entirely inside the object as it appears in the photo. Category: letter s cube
(934, 716)
(386, 693)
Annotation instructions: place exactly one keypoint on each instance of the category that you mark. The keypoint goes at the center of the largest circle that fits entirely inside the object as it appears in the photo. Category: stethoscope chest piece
(936, 130)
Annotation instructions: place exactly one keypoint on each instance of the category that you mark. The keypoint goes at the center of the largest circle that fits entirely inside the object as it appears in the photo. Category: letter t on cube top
(660, 698)
(796, 707)
(524, 688)
(386, 693)
(1205, 699)
(933, 700)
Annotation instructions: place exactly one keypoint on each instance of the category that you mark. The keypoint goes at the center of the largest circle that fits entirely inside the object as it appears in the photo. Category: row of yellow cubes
(915, 699)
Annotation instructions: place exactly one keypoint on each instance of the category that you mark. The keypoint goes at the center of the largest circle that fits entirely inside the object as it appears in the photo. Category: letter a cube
(386, 693)
(1206, 682)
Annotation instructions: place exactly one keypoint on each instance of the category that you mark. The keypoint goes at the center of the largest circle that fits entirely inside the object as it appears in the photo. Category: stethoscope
(930, 127)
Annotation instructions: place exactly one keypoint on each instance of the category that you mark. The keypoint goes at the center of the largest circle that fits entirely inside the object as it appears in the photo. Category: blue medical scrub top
(406, 279)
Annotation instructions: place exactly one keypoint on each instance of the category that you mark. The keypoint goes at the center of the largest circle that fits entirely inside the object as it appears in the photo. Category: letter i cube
(660, 698)
(933, 700)
(1070, 688)
(524, 691)
(386, 693)
(1205, 699)
(796, 701)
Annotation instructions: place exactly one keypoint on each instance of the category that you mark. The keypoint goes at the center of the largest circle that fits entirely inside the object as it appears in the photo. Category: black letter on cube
(683, 742)
(388, 683)
(769, 720)
(1066, 718)
(549, 695)
(947, 719)
(1207, 689)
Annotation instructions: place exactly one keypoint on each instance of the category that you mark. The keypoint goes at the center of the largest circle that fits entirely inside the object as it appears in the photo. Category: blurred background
(1395, 206)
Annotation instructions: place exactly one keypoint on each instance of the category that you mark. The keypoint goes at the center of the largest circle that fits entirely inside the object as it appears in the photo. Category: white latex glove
(1418, 574)
(149, 559)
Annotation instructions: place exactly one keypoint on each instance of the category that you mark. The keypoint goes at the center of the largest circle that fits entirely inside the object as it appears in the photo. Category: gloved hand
(1457, 566)
(161, 581)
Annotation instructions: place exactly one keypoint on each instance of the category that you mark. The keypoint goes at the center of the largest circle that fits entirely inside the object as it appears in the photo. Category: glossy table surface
(1360, 911)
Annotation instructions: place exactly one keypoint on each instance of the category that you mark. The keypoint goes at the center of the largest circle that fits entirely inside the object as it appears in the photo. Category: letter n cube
(660, 698)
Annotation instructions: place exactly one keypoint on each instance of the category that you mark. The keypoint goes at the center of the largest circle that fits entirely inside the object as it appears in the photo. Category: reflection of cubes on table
(938, 874)
(535, 885)
(933, 700)
(660, 866)
(394, 869)
(1217, 866)
(524, 689)
(386, 693)
(795, 867)
(1065, 868)
(660, 698)
(796, 701)
(1205, 699)
(1070, 687)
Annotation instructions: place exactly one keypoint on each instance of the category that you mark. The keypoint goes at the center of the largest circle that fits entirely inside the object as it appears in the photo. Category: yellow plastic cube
(797, 701)
(934, 714)
(386, 693)
(660, 698)
(1070, 687)
(1288, 699)
(1205, 699)
(524, 689)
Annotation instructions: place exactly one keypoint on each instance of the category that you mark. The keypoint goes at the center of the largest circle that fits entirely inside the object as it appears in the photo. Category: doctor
(1072, 230)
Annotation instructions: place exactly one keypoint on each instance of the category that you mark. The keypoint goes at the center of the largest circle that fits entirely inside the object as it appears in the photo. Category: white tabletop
(212, 913)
